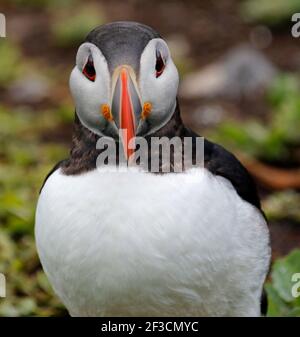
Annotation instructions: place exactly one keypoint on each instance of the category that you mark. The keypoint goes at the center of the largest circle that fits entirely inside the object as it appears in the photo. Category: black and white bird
(138, 243)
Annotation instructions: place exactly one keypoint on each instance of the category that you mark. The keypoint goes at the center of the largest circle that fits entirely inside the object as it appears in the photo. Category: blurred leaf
(9, 62)
(6, 249)
(282, 272)
(295, 312)
(276, 306)
(281, 88)
(72, 29)
(271, 12)
(66, 113)
(279, 291)
(282, 205)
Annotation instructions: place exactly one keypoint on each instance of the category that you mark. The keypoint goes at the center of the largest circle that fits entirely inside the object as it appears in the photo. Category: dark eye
(160, 64)
(89, 70)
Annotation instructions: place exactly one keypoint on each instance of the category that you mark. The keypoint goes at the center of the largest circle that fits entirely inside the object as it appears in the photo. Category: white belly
(141, 244)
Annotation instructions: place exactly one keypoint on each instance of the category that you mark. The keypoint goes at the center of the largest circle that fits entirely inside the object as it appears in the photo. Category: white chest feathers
(121, 244)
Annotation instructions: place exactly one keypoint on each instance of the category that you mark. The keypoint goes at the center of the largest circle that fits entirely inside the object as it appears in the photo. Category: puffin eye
(160, 64)
(89, 70)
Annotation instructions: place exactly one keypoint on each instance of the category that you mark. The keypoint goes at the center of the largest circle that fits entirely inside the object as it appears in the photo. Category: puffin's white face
(109, 100)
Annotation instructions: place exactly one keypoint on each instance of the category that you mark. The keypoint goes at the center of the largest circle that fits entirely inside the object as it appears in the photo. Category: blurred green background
(239, 66)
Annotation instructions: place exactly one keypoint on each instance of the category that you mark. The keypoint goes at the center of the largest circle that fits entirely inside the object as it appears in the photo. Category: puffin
(118, 240)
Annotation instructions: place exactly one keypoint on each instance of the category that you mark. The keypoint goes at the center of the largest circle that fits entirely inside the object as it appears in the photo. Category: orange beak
(127, 122)
(126, 106)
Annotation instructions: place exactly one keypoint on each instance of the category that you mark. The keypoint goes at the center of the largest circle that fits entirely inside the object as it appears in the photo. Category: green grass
(25, 161)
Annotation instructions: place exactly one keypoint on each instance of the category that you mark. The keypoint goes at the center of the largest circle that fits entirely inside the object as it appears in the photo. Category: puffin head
(124, 79)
